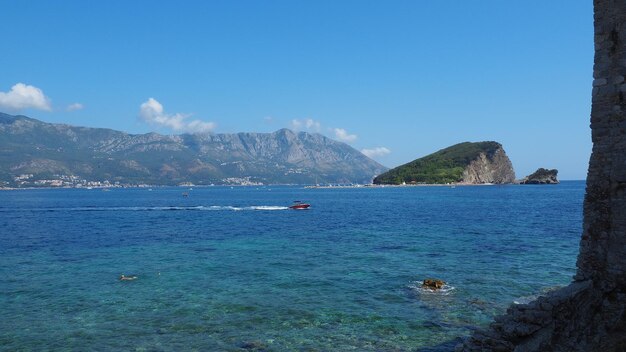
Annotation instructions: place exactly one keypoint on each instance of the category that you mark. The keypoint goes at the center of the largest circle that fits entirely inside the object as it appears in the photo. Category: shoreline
(451, 185)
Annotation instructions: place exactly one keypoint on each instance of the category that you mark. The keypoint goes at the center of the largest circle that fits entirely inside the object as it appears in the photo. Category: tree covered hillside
(444, 166)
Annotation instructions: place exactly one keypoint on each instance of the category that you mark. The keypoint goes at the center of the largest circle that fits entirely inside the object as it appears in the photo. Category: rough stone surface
(541, 177)
(589, 314)
(433, 284)
(484, 169)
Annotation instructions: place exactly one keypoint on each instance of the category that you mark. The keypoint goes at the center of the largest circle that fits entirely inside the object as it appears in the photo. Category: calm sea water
(231, 269)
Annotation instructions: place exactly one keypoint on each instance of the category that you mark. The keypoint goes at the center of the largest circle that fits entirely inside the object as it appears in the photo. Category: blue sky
(401, 79)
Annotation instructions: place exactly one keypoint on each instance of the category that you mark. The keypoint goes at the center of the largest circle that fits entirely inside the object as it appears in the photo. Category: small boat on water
(298, 205)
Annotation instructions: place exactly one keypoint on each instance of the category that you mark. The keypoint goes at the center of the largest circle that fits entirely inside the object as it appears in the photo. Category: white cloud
(197, 126)
(305, 124)
(375, 152)
(23, 96)
(312, 125)
(268, 119)
(151, 111)
(296, 124)
(74, 107)
(343, 135)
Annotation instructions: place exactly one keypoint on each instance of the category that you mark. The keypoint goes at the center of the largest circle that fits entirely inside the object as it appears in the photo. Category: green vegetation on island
(444, 166)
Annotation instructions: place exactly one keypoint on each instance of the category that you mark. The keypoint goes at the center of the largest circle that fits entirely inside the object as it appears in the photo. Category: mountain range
(34, 152)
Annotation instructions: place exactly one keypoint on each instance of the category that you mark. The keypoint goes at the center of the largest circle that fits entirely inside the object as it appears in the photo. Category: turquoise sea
(232, 269)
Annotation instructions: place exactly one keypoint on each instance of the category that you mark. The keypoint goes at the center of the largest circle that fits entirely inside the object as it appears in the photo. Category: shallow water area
(235, 269)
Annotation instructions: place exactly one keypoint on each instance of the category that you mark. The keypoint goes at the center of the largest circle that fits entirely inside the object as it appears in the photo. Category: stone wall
(589, 314)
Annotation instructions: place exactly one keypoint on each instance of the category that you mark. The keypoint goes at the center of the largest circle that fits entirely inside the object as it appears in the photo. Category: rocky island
(541, 177)
(467, 163)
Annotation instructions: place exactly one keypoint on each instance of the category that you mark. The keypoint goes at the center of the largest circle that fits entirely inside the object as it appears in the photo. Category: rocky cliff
(590, 314)
(495, 168)
(541, 177)
(32, 151)
(471, 163)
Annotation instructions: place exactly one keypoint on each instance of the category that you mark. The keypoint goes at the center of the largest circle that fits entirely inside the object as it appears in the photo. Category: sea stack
(541, 177)
(468, 163)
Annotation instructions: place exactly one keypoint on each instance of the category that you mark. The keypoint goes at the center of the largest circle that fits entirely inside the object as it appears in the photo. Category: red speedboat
(298, 205)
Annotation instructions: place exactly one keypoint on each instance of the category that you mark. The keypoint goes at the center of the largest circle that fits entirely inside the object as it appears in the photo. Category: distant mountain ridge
(33, 150)
(471, 163)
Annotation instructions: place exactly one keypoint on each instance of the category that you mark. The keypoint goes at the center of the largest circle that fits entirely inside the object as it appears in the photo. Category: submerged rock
(253, 345)
(433, 284)
(541, 177)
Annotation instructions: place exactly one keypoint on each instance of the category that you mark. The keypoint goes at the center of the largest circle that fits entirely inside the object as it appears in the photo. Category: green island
(444, 166)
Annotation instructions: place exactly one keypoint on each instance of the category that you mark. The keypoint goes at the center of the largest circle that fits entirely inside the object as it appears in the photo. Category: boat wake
(268, 207)
(167, 208)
